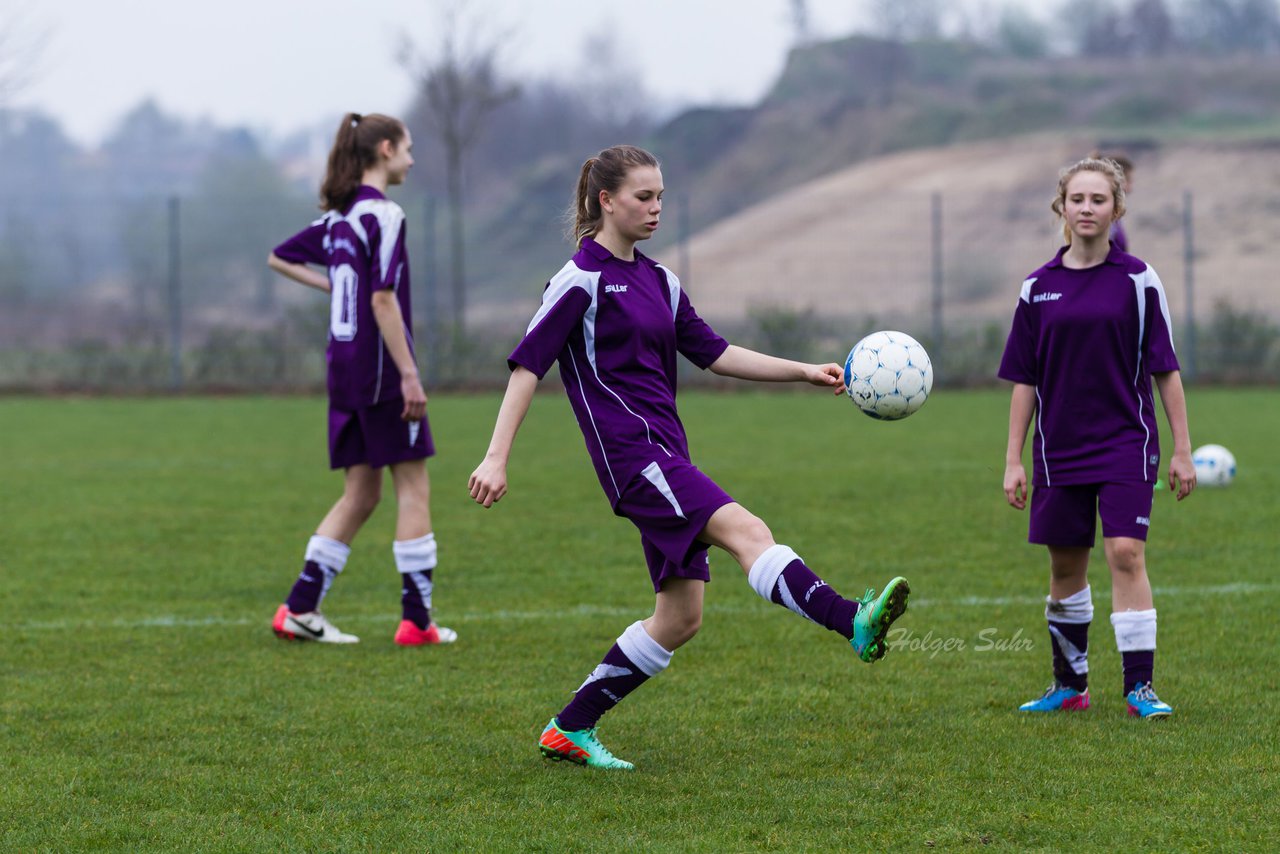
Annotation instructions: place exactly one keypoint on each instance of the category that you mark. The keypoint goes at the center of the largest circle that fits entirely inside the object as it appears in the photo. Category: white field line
(169, 621)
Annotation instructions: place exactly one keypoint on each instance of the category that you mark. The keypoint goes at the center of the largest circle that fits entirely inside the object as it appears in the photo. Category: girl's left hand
(1182, 475)
(829, 375)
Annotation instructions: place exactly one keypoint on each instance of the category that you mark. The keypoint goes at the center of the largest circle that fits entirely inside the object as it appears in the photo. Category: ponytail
(355, 149)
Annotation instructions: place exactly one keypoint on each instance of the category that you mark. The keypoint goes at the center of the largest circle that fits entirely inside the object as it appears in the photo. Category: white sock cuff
(764, 573)
(415, 555)
(327, 552)
(1076, 608)
(1135, 630)
(644, 652)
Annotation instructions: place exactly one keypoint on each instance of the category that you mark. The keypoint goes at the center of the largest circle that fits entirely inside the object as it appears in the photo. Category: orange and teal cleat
(580, 747)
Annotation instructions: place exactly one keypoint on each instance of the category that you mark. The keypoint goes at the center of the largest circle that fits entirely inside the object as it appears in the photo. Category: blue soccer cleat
(875, 615)
(1143, 703)
(1059, 698)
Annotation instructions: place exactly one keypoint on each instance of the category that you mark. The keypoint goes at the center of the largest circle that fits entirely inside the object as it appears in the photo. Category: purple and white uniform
(1089, 341)
(363, 248)
(615, 327)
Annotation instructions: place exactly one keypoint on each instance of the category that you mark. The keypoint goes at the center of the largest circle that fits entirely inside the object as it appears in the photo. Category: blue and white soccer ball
(1215, 465)
(888, 375)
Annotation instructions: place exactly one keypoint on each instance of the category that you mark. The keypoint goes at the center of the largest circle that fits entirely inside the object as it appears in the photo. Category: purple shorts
(671, 501)
(1068, 515)
(375, 435)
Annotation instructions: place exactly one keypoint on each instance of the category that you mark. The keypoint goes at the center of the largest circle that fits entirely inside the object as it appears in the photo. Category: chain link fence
(163, 294)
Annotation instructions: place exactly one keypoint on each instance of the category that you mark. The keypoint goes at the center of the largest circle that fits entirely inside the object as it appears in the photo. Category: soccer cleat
(875, 615)
(1059, 698)
(410, 635)
(580, 747)
(308, 627)
(1143, 703)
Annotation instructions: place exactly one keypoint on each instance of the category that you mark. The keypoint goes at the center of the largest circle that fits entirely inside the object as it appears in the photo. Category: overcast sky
(280, 65)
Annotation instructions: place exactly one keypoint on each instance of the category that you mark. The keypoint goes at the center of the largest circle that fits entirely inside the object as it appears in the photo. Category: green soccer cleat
(580, 747)
(875, 615)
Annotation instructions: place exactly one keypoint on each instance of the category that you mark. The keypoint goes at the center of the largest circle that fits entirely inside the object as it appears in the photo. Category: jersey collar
(1114, 256)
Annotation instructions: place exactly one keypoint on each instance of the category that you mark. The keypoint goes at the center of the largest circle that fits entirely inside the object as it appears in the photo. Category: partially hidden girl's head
(1102, 167)
(606, 172)
(355, 149)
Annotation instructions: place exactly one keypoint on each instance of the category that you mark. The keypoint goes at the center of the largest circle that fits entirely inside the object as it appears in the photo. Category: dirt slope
(858, 242)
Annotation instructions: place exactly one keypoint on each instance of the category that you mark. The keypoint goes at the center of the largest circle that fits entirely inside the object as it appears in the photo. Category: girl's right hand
(1015, 485)
(488, 482)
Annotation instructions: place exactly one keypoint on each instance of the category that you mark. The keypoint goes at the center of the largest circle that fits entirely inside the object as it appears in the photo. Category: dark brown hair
(355, 149)
(606, 171)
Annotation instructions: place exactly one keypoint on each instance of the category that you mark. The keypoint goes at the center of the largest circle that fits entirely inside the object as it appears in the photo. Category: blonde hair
(606, 171)
(1104, 166)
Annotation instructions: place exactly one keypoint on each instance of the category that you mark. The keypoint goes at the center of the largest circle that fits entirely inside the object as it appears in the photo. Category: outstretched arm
(309, 276)
(1022, 406)
(488, 482)
(744, 364)
(1182, 471)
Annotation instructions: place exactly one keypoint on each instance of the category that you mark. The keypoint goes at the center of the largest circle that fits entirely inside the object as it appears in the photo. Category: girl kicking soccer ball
(615, 321)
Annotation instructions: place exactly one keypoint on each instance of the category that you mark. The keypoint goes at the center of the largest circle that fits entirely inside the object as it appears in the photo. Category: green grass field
(145, 704)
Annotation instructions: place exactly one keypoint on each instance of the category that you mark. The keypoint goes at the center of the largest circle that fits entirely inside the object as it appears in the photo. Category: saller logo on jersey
(615, 289)
(1050, 297)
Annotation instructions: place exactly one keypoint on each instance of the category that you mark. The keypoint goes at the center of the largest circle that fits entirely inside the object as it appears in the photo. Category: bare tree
(800, 26)
(459, 86)
(20, 49)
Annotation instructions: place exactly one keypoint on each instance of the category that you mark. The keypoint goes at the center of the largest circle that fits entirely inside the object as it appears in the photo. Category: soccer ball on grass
(888, 375)
(1215, 465)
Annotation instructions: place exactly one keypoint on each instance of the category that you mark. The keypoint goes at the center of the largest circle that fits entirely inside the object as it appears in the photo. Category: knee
(1127, 557)
(755, 532)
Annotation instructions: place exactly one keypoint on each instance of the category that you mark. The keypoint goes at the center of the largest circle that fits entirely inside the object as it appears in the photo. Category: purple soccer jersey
(1089, 341)
(364, 249)
(615, 327)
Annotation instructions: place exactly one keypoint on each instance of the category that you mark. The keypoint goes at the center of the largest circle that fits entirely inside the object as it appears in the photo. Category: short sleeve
(305, 247)
(386, 230)
(1160, 354)
(1019, 363)
(564, 304)
(696, 340)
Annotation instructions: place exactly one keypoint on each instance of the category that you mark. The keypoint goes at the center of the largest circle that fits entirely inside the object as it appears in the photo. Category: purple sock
(324, 559)
(628, 665)
(1070, 643)
(805, 593)
(415, 594)
(309, 589)
(1139, 665)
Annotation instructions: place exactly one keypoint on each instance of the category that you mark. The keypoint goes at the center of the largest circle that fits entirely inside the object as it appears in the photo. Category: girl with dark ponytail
(377, 406)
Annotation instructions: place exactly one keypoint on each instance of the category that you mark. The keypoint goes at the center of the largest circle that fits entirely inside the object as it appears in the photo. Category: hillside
(857, 242)
(891, 124)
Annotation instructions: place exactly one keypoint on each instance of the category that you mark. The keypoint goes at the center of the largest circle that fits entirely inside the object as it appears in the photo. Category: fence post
(175, 299)
(431, 304)
(936, 237)
(682, 201)
(1188, 272)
